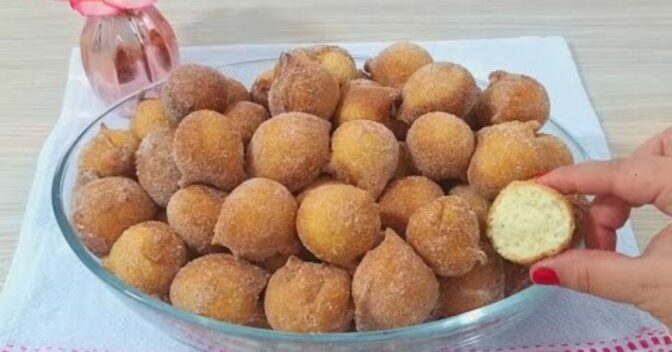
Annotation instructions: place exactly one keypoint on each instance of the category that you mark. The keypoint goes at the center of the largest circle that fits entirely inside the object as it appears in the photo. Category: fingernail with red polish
(539, 174)
(545, 276)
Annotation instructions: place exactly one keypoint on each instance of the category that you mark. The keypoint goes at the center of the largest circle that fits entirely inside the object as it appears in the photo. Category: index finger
(638, 181)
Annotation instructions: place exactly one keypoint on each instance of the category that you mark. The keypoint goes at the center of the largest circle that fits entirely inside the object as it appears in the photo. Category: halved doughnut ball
(528, 222)
(309, 297)
(392, 287)
(445, 234)
(219, 286)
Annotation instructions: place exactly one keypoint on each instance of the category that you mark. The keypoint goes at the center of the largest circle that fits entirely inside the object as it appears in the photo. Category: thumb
(601, 273)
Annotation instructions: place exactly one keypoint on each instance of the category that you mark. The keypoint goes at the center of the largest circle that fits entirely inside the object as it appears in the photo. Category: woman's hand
(643, 178)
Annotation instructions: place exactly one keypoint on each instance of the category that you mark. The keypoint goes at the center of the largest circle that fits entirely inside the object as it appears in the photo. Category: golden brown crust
(194, 87)
(257, 221)
(445, 234)
(441, 145)
(364, 101)
(504, 153)
(554, 152)
(512, 97)
(245, 117)
(193, 213)
(476, 202)
(261, 86)
(318, 182)
(291, 148)
(209, 151)
(156, 169)
(392, 287)
(483, 285)
(309, 297)
(219, 286)
(108, 153)
(443, 86)
(148, 117)
(393, 66)
(104, 208)
(303, 86)
(147, 256)
(403, 197)
(334, 59)
(365, 154)
(338, 223)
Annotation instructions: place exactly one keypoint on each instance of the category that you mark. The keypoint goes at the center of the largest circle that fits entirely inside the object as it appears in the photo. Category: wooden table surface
(623, 48)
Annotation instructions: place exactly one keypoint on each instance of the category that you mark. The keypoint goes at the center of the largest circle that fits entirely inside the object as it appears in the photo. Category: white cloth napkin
(51, 302)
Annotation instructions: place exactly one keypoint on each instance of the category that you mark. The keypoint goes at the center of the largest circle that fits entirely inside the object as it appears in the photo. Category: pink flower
(95, 8)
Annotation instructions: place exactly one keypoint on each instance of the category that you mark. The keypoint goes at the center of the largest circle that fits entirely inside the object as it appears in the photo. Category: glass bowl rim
(441, 326)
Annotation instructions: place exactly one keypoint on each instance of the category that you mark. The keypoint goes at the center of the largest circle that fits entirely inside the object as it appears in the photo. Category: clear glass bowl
(468, 329)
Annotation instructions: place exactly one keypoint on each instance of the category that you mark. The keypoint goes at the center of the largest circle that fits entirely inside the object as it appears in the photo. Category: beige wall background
(623, 48)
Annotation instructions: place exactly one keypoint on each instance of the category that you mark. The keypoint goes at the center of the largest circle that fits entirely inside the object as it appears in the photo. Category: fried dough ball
(194, 87)
(319, 182)
(193, 213)
(505, 152)
(108, 153)
(481, 286)
(149, 116)
(366, 102)
(517, 278)
(291, 148)
(333, 58)
(219, 286)
(338, 223)
(554, 152)
(308, 297)
(236, 92)
(104, 208)
(157, 172)
(257, 221)
(395, 64)
(403, 197)
(261, 86)
(392, 287)
(441, 145)
(303, 86)
(245, 117)
(405, 166)
(445, 233)
(258, 319)
(147, 256)
(365, 154)
(476, 202)
(512, 97)
(440, 86)
(209, 151)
